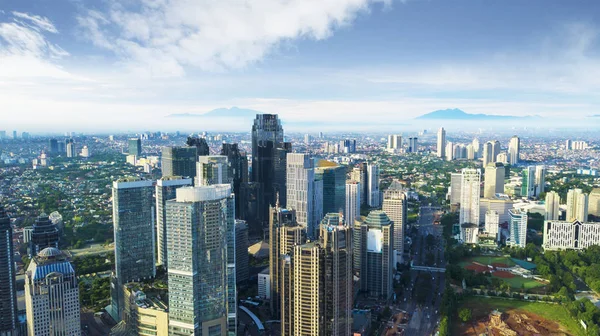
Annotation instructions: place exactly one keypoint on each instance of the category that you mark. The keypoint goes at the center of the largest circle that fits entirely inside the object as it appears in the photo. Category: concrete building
(561, 235)
(491, 149)
(300, 188)
(449, 151)
(373, 193)
(201, 228)
(52, 295)
(394, 143)
(540, 180)
(395, 207)
(594, 202)
(211, 170)
(441, 143)
(528, 182)
(494, 179)
(517, 228)
(455, 187)
(469, 233)
(359, 174)
(44, 234)
(143, 314)
(500, 203)
(376, 255)
(8, 288)
(165, 190)
(469, 196)
(514, 148)
(492, 222)
(413, 145)
(552, 206)
(264, 282)
(353, 201)
(577, 205)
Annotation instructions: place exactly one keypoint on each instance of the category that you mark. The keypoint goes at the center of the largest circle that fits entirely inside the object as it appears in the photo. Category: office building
(284, 233)
(376, 255)
(540, 180)
(441, 143)
(500, 203)
(134, 147)
(212, 169)
(45, 234)
(469, 196)
(494, 179)
(528, 182)
(552, 206)
(85, 152)
(578, 145)
(165, 190)
(576, 235)
(394, 143)
(238, 173)
(134, 232)
(492, 222)
(242, 267)
(317, 290)
(373, 193)
(201, 145)
(395, 207)
(471, 152)
(413, 145)
(594, 202)
(53, 146)
(455, 187)
(502, 158)
(179, 161)
(352, 209)
(577, 206)
(264, 282)
(8, 287)
(70, 148)
(334, 185)
(301, 191)
(198, 239)
(359, 174)
(514, 148)
(517, 226)
(52, 295)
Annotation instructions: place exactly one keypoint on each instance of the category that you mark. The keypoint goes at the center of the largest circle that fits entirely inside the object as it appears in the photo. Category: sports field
(480, 264)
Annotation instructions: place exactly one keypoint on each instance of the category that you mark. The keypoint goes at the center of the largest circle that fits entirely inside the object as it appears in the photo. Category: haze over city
(344, 64)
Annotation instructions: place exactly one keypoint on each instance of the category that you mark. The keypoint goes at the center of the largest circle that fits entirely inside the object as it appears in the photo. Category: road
(425, 316)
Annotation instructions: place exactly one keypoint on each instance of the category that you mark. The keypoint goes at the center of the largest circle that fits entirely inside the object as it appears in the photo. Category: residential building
(70, 148)
(264, 281)
(441, 143)
(373, 186)
(352, 209)
(492, 222)
(449, 151)
(491, 149)
(394, 143)
(514, 148)
(494, 179)
(540, 180)
(8, 287)
(200, 223)
(165, 190)
(594, 202)
(455, 187)
(552, 206)
(517, 228)
(301, 191)
(469, 233)
(52, 295)
(577, 205)
(563, 235)
(359, 174)
(469, 196)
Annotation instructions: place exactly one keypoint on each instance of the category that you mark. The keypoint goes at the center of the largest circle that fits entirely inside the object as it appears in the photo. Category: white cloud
(38, 22)
(164, 37)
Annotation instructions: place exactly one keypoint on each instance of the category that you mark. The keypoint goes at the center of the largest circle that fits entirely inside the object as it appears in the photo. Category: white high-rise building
(575, 235)
(449, 151)
(514, 147)
(594, 202)
(373, 194)
(212, 169)
(455, 187)
(491, 149)
(502, 158)
(52, 295)
(394, 143)
(517, 227)
(300, 184)
(85, 152)
(352, 210)
(552, 206)
(492, 222)
(441, 143)
(471, 152)
(528, 182)
(540, 180)
(494, 179)
(395, 207)
(469, 196)
(577, 205)
(476, 148)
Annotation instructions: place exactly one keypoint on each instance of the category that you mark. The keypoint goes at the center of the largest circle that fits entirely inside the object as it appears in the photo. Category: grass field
(556, 313)
(518, 281)
(490, 260)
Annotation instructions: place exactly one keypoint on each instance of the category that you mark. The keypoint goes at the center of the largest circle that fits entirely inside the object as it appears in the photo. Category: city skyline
(356, 63)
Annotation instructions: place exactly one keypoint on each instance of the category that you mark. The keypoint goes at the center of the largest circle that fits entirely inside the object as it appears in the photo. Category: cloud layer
(164, 37)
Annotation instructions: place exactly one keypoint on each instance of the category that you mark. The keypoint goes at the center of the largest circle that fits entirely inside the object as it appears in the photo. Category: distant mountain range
(234, 112)
(458, 114)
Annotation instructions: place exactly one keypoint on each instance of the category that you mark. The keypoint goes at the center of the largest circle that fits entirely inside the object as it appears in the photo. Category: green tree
(465, 315)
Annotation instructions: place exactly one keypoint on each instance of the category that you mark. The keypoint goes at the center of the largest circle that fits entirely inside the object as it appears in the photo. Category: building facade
(373, 193)
(395, 207)
(376, 255)
(514, 149)
(353, 201)
(469, 196)
(517, 228)
(576, 235)
(179, 161)
(334, 186)
(494, 179)
(552, 206)
(8, 288)
(44, 234)
(441, 143)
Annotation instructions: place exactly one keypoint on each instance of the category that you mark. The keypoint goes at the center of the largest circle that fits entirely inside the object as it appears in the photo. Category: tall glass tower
(8, 289)
(179, 161)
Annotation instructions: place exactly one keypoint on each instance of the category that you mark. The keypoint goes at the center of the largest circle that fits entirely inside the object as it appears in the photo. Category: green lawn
(552, 312)
(518, 281)
(490, 260)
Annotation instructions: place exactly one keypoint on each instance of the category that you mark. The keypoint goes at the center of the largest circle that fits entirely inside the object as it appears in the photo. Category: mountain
(458, 114)
(233, 112)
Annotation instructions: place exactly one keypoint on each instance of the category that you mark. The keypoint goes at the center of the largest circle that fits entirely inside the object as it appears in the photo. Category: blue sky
(84, 65)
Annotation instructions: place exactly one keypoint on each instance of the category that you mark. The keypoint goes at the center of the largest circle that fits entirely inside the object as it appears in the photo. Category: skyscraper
(494, 179)
(238, 172)
(517, 228)
(394, 143)
(201, 145)
(441, 143)
(476, 148)
(491, 149)
(197, 237)
(373, 186)
(44, 234)
(53, 146)
(334, 185)
(133, 220)
(577, 204)
(449, 151)
(469, 196)
(284, 234)
(395, 207)
(514, 147)
(552, 206)
(492, 222)
(594, 202)
(179, 161)
(376, 255)
(359, 174)
(52, 295)
(134, 147)
(8, 288)
(352, 210)
(455, 187)
(241, 251)
(318, 283)
(165, 190)
(540, 180)
(528, 182)
(70, 148)
(212, 169)
(301, 191)
(413, 145)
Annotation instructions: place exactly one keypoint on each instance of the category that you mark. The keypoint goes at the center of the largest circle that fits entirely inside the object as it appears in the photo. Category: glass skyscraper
(8, 289)
(334, 186)
(179, 161)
